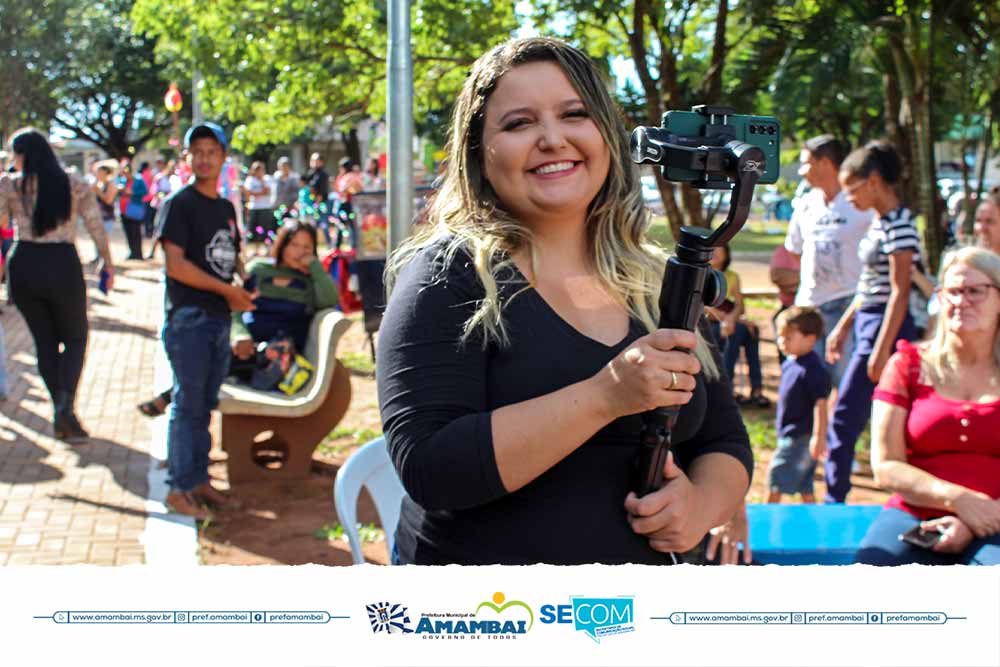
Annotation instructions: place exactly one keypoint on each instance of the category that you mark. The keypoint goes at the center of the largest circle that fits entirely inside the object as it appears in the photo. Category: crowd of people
(871, 337)
(132, 197)
(520, 345)
(221, 317)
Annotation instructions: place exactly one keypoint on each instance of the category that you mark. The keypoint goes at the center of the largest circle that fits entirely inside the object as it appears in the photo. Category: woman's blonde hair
(939, 357)
(467, 210)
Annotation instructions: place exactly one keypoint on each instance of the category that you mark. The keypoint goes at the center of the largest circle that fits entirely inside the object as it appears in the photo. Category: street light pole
(400, 116)
(196, 114)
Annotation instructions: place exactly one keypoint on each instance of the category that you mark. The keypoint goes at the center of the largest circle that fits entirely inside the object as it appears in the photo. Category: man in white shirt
(825, 231)
(261, 227)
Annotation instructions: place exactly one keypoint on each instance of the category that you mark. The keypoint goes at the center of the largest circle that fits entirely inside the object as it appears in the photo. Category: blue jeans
(831, 312)
(198, 348)
(742, 338)
(854, 401)
(882, 546)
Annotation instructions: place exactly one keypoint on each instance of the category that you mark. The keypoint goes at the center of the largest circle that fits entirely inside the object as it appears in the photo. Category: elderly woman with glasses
(935, 423)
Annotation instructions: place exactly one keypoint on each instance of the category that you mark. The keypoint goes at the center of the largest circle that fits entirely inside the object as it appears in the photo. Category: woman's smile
(555, 169)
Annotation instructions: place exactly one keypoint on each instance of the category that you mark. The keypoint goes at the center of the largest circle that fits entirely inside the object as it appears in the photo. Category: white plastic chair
(369, 467)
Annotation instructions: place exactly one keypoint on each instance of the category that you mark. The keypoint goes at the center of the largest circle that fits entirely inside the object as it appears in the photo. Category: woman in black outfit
(520, 345)
(46, 279)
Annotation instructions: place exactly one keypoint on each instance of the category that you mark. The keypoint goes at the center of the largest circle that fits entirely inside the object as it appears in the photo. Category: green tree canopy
(79, 66)
(275, 70)
(32, 41)
(109, 89)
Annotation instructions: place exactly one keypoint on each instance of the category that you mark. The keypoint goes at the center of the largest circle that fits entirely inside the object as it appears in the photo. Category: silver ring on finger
(673, 381)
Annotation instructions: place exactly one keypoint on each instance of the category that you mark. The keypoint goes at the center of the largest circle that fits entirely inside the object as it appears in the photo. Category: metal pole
(196, 115)
(400, 108)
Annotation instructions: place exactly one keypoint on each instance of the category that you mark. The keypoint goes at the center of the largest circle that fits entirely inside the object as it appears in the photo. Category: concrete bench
(269, 435)
(808, 534)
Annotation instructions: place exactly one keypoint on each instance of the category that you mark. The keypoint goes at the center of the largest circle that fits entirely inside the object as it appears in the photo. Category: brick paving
(66, 504)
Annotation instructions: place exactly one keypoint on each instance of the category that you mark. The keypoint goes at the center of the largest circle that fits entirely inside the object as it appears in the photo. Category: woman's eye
(515, 123)
(578, 113)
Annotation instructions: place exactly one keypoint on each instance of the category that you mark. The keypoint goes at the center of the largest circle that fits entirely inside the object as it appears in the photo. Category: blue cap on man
(206, 129)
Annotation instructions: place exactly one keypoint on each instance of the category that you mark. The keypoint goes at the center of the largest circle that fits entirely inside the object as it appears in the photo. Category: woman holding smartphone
(935, 423)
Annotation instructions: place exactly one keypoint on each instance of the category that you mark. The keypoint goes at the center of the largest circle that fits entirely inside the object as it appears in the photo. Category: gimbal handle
(689, 284)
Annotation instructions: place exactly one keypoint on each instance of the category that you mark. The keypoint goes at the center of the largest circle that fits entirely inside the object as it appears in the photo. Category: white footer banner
(541, 615)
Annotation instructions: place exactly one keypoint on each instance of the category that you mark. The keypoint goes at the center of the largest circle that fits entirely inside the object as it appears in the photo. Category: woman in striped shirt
(880, 310)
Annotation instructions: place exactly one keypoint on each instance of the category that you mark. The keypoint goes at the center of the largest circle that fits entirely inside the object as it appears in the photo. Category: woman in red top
(934, 428)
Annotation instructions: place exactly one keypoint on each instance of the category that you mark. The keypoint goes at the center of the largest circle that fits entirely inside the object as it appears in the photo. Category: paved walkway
(90, 503)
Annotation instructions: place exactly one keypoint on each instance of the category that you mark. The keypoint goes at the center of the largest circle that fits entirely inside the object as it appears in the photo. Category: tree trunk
(896, 126)
(693, 214)
(352, 144)
(713, 78)
(913, 76)
(982, 158)
(675, 218)
(117, 147)
(927, 192)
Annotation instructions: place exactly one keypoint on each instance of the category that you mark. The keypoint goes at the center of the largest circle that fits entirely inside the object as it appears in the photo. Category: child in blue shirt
(802, 410)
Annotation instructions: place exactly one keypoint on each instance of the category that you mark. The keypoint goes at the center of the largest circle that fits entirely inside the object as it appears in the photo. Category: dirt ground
(291, 522)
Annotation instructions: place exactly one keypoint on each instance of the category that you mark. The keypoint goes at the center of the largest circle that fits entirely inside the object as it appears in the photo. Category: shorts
(262, 226)
(792, 468)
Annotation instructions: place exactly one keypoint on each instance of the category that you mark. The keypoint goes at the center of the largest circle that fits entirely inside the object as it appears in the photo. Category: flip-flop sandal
(150, 408)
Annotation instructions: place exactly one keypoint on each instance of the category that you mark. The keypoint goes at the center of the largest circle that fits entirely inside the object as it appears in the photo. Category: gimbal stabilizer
(715, 159)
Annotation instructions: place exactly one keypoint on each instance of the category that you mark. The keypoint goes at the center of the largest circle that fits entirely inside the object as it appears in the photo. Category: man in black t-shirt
(317, 178)
(202, 245)
(319, 186)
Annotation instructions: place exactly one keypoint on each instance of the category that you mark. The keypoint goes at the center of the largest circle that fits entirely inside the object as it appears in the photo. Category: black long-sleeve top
(437, 394)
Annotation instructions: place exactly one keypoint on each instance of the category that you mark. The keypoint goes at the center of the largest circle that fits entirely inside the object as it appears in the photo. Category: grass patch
(368, 533)
(760, 428)
(358, 361)
(351, 437)
(756, 236)
(764, 437)
(765, 303)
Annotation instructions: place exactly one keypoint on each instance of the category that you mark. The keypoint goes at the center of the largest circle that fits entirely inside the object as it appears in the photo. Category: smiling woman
(520, 346)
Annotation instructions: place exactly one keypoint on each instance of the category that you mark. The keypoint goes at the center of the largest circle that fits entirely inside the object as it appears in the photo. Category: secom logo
(597, 617)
